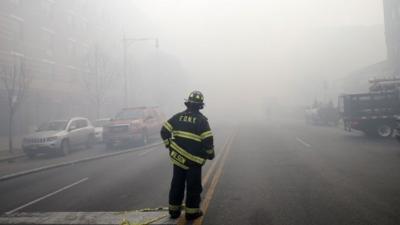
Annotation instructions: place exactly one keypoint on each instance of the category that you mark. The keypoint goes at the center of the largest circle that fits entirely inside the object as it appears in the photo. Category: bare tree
(16, 83)
(99, 78)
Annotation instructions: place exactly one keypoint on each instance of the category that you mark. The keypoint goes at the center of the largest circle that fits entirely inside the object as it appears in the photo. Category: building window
(398, 9)
(53, 71)
(47, 7)
(85, 25)
(15, 2)
(394, 14)
(48, 42)
(20, 30)
(16, 27)
(71, 48)
(71, 19)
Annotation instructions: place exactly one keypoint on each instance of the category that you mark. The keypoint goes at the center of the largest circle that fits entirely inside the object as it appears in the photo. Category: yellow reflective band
(166, 142)
(210, 151)
(186, 154)
(179, 164)
(192, 210)
(188, 135)
(168, 126)
(175, 207)
(206, 134)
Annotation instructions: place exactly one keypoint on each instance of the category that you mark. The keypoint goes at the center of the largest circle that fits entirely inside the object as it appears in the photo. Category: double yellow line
(215, 171)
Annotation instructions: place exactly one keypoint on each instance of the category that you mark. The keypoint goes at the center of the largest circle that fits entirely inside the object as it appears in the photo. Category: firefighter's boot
(175, 211)
(174, 214)
(193, 216)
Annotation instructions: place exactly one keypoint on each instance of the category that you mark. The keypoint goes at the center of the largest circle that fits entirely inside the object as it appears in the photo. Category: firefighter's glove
(167, 143)
(210, 154)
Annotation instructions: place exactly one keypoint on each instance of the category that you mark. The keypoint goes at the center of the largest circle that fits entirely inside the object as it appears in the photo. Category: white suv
(59, 136)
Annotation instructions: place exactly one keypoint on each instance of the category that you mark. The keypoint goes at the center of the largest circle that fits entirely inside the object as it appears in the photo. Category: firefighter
(189, 139)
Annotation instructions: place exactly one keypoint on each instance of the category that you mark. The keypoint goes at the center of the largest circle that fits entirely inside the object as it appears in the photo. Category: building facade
(358, 81)
(52, 40)
(392, 33)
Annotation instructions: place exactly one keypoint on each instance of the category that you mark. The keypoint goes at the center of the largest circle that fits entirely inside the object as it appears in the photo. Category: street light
(126, 43)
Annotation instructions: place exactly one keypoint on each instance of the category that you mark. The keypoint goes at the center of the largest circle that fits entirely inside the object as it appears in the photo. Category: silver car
(59, 136)
(98, 128)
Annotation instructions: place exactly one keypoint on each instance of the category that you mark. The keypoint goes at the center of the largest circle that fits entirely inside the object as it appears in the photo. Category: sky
(246, 51)
(279, 12)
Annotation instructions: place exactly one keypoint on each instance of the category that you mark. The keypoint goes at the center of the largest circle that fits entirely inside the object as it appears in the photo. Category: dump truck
(375, 112)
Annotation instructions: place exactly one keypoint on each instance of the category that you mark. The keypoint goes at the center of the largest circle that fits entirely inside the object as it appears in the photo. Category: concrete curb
(10, 158)
(83, 218)
(26, 172)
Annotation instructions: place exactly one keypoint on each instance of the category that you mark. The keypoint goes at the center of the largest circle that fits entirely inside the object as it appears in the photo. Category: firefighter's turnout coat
(189, 139)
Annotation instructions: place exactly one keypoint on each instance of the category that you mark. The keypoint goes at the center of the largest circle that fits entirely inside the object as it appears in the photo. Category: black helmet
(196, 97)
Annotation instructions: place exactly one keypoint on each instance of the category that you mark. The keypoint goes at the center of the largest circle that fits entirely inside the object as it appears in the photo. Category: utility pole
(126, 42)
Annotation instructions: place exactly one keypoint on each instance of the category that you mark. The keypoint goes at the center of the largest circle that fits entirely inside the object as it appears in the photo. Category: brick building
(52, 38)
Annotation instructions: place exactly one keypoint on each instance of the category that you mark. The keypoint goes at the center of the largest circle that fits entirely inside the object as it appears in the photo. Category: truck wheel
(384, 131)
(64, 148)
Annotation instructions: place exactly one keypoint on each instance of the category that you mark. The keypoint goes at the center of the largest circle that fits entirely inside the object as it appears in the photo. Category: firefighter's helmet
(196, 97)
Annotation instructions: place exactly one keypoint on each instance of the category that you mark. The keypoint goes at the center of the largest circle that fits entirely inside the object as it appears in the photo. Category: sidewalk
(5, 153)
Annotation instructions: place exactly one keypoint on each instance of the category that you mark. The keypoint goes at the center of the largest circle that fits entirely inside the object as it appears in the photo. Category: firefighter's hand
(210, 154)
(167, 143)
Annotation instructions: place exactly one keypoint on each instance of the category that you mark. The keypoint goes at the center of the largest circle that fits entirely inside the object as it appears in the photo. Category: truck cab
(133, 126)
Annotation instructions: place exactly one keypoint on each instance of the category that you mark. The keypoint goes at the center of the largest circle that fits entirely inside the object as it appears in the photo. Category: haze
(242, 54)
(100, 122)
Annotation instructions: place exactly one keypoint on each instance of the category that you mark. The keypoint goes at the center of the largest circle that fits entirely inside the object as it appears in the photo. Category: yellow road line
(182, 220)
(215, 162)
(214, 182)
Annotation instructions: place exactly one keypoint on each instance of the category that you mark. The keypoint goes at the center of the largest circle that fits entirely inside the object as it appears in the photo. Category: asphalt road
(280, 172)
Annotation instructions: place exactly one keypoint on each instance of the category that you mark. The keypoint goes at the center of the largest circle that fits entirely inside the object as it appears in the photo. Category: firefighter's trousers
(190, 178)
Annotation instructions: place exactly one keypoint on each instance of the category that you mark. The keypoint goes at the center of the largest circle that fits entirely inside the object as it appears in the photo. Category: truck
(133, 126)
(375, 112)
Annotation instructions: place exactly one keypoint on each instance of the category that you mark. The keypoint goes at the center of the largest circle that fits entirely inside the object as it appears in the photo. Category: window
(20, 30)
(83, 51)
(48, 41)
(15, 2)
(85, 25)
(15, 27)
(73, 125)
(82, 123)
(71, 19)
(394, 14)
(47, 7)
(71, 48)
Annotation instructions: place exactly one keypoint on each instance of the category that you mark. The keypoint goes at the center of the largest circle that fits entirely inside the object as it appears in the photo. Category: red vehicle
(133, 126)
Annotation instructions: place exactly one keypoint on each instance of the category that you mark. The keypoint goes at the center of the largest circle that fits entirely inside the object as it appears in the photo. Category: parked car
(322, 114)
(397, 128)
(133, 126)
(98, 128)
(59, 136)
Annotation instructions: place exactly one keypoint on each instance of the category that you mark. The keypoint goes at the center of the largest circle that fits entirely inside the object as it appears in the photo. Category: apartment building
(52, 39)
